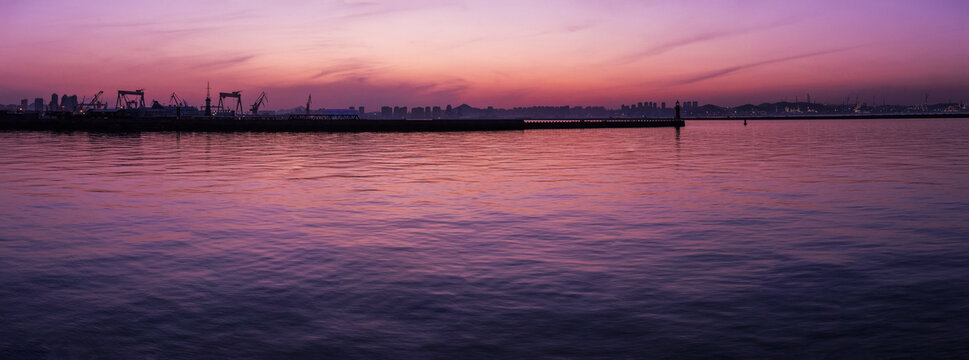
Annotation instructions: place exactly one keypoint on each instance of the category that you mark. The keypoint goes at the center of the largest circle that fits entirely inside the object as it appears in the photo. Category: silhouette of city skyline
(233, 102)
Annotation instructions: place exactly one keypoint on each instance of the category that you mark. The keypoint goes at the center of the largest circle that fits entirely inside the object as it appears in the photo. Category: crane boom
(259, 102)
(95, 102)
(175, 100)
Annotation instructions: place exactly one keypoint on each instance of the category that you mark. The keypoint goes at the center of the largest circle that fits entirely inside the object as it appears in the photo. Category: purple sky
(499, 52)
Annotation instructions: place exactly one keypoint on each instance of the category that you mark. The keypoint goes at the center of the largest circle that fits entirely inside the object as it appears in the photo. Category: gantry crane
(234, 95)
(259, 101)
(125, 103)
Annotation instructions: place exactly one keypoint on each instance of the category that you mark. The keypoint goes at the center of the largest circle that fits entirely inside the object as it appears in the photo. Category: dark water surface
(782, 239)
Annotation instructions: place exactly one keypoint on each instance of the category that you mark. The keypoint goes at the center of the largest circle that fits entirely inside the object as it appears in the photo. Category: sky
(502, 53)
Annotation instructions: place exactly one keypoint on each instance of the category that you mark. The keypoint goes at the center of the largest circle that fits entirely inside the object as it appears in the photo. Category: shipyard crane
(174, 100)
(125, 103)
(234, 95)
(261, 100)
(95, 102)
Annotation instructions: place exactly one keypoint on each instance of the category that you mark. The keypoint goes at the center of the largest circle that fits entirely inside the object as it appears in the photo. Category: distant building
(417, 113)
(53, 102)
(69, 103)
(400, 112)
(386, 112)
(449, 112)
(362, 111)
(39, 105)
(436, 112)
(664, 105)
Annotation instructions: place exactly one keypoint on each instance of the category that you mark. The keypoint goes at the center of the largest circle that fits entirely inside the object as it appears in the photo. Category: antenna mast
(208, 99)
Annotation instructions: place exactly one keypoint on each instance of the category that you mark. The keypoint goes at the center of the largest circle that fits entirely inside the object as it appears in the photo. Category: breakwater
(306, 123)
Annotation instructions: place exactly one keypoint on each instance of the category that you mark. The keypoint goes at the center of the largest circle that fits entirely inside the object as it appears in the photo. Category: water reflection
(775, 240)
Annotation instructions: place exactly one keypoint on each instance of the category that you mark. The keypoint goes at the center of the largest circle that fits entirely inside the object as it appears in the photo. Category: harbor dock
(303, 123)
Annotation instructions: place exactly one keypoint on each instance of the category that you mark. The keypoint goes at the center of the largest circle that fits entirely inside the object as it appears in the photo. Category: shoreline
(301, 123)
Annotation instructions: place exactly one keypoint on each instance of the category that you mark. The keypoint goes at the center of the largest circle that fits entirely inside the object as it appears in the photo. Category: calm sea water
(782, 239)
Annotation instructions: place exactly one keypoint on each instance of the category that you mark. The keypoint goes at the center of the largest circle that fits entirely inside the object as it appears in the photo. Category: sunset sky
(501, 53)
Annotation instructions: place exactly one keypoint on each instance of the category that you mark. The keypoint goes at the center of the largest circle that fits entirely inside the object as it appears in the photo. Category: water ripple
(823, 239)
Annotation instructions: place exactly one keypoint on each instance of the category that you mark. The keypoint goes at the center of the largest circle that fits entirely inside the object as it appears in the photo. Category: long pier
(304, 123)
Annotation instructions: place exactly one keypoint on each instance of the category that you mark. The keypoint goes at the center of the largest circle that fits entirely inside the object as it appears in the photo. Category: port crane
(94, 104)
(232, 95)
(125, 103)
(259, 102)
(174, 100)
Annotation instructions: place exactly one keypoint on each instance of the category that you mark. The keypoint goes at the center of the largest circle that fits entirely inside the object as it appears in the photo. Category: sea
(816, 239)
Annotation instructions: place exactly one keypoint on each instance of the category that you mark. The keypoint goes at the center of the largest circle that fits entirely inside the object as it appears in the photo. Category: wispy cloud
(223, 63)
(729, 70)
(369, 9)
(668, 46)
(350, 68)
(580, 27)
(566, 29)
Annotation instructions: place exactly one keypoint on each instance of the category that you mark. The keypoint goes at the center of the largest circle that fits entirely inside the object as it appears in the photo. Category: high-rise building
(53, 102)
(400, 112)
(39, 104)
(386, 112)
(417, 113)
(68, 103)
(664, 105)
(436, 112)
(23, 105)
(362, 111)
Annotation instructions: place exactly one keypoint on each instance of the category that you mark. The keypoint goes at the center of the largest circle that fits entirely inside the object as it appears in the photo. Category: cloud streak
(222, 63)
(729, 70)
(375, 9)
(701, 38)
(560, 30)
(347, 69)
